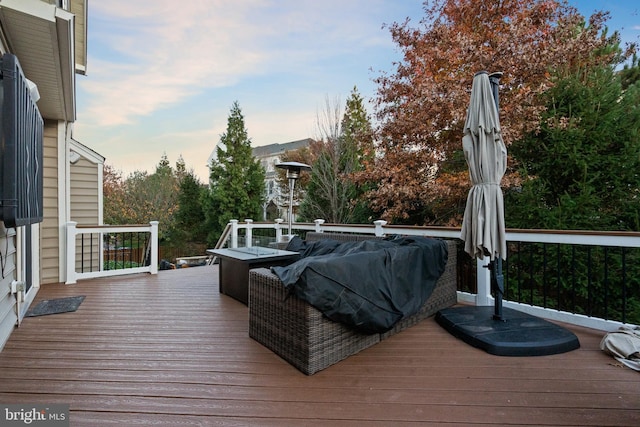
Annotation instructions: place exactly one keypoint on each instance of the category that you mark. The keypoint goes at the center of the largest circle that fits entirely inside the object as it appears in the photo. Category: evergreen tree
(236, 179)
(181, 169)
(582, 167)
(630, 73)
(357, 134)
(163, 166)
(190, 219)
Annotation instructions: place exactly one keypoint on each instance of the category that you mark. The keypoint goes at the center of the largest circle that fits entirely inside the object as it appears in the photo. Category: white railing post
(153, 267)
(234, 233)
(71, 253)
(483, 295)
(249, 233)
(278, 227)
(319, 223)
(379, 224)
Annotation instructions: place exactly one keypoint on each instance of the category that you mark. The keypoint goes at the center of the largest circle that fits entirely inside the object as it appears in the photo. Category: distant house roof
(277, 149)
(270, 150)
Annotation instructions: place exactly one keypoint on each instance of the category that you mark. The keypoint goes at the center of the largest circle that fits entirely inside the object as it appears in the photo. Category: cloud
(162, 52)
(162, 74)
(168, 53)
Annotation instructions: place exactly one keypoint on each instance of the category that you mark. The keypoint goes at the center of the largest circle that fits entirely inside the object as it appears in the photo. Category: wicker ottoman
(301, 335)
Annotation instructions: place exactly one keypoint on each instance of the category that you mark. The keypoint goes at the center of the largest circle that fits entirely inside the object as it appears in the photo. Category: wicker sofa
(304, 337)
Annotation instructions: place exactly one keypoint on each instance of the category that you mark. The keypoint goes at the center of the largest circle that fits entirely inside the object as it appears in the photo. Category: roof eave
(42, 37)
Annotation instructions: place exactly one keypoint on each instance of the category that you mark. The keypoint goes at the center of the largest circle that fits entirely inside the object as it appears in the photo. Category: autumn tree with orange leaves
(420, 174)
(142, 197)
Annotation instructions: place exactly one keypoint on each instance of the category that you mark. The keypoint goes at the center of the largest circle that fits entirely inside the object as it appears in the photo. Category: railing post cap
(319, 221)
(278, 220)
(233, 221)
(248, 220)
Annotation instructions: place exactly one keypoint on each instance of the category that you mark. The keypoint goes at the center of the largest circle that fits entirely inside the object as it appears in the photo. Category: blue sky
(162, 75)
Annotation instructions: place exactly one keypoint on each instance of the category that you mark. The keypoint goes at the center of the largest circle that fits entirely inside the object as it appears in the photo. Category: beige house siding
(85, 195)
(8, 316)
(84, 192)
(50, 230)
(79, 9)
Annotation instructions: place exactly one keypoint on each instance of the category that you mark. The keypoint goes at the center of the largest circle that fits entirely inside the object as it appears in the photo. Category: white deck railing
(73, 230)
(483, 296)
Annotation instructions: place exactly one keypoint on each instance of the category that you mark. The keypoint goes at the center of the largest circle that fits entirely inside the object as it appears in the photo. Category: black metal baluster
(589, 282)
(606, 282)
(121, 239)
(559, 278)
(573, 279)
(81, 253)
(544, 275)
(624, 284)
(519, 271)
(531, 280)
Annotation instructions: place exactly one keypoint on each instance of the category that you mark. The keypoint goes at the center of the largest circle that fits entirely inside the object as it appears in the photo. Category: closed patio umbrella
(505, 332)
(483, 225)
(483, 229)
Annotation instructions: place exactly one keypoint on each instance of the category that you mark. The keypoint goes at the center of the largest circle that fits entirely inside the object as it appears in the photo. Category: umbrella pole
(497, 282)
(497, 278)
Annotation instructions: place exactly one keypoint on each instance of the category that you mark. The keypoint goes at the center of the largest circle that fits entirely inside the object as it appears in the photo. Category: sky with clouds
(162, 75)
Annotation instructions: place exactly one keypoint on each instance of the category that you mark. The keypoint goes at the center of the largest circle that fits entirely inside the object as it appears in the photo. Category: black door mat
(55, 306)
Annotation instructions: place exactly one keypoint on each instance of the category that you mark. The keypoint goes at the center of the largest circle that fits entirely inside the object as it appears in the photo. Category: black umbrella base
(518, 334)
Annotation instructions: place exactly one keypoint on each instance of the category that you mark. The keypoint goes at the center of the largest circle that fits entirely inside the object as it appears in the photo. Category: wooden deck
(169, 350)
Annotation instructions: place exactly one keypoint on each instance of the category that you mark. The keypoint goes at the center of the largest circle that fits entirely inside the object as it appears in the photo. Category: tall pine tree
(357, 134)
(581, 166)
(236, 179)
(190, 219)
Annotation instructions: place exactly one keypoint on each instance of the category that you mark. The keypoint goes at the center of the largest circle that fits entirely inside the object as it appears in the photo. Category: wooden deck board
(169, 350)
